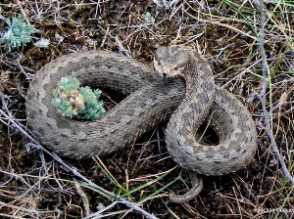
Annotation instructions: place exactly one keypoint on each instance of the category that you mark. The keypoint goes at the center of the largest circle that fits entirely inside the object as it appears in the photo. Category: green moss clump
(18, 33)
(78, 103)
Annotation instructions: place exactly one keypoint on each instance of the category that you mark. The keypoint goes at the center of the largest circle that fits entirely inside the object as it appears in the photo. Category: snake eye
(157, 61)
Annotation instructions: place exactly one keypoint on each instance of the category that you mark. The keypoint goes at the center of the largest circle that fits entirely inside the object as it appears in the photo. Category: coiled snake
(149, 103)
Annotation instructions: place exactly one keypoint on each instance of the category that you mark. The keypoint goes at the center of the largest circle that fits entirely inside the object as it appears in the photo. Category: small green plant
(42, 43)
(78, 103)
(18, 34)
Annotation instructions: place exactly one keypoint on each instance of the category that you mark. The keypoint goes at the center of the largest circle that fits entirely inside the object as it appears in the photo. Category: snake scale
(186, 102)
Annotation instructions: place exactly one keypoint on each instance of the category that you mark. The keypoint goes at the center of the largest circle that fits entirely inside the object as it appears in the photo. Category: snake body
(148, 103)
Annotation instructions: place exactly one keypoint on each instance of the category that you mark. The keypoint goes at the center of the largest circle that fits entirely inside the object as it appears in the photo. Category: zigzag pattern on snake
(187, 102)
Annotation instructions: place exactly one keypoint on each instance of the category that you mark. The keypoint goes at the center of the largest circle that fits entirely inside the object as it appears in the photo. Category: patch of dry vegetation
(34, 184)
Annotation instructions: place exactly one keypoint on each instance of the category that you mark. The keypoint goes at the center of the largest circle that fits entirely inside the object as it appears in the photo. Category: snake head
(170, 61)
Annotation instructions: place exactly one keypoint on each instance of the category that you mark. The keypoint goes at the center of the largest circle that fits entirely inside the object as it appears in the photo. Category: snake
(186, 100)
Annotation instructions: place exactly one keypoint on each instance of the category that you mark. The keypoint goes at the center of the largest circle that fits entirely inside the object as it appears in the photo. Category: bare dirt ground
(35, 184)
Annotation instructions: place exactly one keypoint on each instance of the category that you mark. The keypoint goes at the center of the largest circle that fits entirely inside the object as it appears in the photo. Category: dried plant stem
(262, 94)
(7, 118)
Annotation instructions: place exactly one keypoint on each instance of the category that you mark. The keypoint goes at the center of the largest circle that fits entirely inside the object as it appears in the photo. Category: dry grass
(34, 185)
